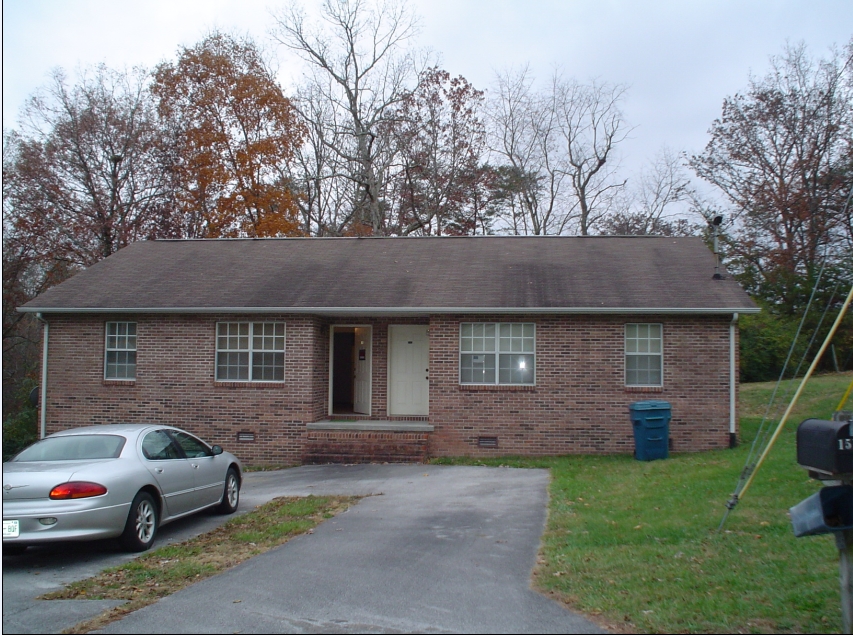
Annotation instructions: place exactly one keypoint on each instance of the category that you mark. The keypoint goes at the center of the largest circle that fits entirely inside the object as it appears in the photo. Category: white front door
(408, 370)
(361, 388)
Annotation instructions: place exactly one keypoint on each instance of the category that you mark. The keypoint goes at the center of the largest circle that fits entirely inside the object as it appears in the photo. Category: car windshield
(73, 448)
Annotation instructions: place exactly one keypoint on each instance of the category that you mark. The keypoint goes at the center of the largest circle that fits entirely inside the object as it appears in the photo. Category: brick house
(354, 349)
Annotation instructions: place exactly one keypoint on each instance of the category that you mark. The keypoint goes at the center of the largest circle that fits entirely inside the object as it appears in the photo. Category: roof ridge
(351, 238)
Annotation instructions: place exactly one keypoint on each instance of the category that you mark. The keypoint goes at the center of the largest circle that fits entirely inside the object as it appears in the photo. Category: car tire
(141, 526)
(13, 550)
(231, 494)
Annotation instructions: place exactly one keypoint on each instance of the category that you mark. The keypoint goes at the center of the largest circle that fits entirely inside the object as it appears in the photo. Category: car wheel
(231, 495)
(14, 550)
(141, 526)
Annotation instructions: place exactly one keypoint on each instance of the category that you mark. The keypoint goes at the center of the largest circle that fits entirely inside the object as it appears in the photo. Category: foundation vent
(487, 442)
(245, 437)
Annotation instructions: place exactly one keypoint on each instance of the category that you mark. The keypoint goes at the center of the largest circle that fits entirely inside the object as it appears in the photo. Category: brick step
(365, 446)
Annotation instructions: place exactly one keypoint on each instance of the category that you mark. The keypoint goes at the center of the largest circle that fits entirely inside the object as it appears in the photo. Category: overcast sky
(679, 58)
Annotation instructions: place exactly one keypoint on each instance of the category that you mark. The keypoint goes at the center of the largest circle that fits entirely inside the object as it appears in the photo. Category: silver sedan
(113, 481)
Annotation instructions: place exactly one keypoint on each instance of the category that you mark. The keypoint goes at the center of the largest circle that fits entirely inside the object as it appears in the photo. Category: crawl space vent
(487, 442)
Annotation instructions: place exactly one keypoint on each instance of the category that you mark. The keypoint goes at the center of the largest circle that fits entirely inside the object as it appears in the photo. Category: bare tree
(523, 136)
(647, 209)
(559, 150)
(591, 126)
(358, 67)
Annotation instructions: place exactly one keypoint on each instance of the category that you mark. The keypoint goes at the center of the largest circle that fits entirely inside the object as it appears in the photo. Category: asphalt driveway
(429, 549)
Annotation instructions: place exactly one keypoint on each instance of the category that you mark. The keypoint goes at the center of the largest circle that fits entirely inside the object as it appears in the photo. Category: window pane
(232, 366)
(516, 369)
(268, 366)
(481, 338)
(643, 370)
(478, 369)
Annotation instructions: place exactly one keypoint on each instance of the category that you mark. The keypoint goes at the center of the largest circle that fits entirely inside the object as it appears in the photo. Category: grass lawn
(635, 544)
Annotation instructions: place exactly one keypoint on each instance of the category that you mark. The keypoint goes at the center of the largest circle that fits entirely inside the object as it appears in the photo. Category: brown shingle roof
(336, 275)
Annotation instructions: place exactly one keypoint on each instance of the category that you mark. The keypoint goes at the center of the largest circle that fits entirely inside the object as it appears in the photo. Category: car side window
(191, 446)
(158, 446)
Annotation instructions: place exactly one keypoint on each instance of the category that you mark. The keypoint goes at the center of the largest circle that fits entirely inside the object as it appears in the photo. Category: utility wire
(748, 472)
(733, 501)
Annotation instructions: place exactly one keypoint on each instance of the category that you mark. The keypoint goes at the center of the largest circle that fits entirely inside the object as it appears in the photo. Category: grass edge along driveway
(169, 569)
(634, 545)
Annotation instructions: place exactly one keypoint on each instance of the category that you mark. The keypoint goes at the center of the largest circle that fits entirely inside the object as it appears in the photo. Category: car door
(208, 470)
(174, 474)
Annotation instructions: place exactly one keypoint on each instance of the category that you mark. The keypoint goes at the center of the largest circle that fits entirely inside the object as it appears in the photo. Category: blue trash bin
(650, 420)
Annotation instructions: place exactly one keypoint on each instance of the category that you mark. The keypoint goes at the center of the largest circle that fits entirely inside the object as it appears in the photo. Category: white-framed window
(644, 355)
(497, 353)
(250, 351)
(120, 351)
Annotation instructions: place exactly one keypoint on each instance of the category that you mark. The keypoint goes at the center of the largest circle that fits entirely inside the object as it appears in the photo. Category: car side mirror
(217, 449)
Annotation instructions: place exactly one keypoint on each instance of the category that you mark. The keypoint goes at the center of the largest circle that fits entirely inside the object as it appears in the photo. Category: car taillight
(76, 489)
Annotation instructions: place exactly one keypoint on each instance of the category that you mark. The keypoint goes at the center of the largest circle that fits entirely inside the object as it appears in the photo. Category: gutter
(733, 375)
(407, 310)
(43, 389)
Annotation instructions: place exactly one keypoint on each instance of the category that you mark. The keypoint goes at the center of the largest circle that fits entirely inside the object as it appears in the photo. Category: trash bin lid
(651, 404)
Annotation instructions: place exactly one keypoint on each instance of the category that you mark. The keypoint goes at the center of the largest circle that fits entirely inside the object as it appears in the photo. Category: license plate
(11, 529)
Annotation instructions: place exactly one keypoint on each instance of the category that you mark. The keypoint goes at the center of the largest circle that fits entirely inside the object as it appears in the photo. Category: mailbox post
(825, 449)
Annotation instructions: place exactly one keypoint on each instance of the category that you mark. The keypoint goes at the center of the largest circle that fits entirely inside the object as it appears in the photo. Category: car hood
(34, 480)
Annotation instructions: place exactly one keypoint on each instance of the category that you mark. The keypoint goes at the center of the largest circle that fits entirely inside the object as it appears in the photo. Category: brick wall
(579, 403)
(175, 383)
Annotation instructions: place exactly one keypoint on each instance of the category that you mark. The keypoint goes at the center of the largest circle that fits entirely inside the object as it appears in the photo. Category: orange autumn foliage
(232, 133)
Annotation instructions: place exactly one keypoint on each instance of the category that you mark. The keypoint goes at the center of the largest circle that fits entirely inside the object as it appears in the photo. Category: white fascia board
(406, 310)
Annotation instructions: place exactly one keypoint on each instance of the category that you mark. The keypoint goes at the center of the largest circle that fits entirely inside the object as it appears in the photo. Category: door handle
(159, 470)
(195, 465)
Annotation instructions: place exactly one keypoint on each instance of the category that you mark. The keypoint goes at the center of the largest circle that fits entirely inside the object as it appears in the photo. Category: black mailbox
(825, 447)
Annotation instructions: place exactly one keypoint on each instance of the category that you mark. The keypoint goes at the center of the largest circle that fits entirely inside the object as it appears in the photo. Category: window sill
(498, 388)
(248, 384)
(646, 389)
(119, 382)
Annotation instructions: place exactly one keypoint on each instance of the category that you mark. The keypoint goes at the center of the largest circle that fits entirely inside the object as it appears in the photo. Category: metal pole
(43, 388)
(797, 394)
(844, 542)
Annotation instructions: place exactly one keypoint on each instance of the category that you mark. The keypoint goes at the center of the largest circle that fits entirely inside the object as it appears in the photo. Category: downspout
(43, 389)
(733, 375)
